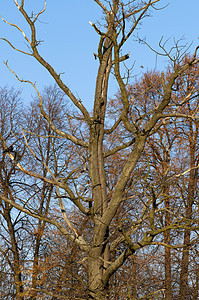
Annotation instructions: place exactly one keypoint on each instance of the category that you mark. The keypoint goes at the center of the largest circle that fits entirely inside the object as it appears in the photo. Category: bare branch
(119, 148)
(136, 11)
(41, 12)
(59, 132)
(143, 11)
(102, 6)
(33, 43)
(63, 210)
(15, 47)
(78, 240)
(14, 25)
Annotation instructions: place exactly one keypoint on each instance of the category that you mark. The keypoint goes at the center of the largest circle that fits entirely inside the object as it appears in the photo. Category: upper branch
(102, 6)
(136, 11)
(143, 11)
(45, 115)
(34, 43)
(41, 12)
(18, 28)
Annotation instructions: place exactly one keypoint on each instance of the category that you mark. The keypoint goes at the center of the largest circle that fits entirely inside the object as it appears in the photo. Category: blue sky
(69, 41)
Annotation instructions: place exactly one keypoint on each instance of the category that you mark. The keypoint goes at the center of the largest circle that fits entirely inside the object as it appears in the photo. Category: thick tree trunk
(99, 253)
(97, 265)
(97, 289)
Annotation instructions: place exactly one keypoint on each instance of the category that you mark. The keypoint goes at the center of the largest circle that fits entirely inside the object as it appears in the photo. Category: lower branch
(78, 240)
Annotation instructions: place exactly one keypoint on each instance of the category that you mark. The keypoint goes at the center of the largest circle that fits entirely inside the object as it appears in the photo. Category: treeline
(39, 261)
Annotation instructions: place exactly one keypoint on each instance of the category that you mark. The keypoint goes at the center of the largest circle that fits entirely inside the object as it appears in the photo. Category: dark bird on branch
(9, 149)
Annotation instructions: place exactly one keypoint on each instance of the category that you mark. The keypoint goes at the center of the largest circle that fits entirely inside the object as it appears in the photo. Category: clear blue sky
(69, 41)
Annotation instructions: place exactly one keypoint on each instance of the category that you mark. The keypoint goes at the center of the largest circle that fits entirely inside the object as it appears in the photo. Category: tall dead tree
(121, 19)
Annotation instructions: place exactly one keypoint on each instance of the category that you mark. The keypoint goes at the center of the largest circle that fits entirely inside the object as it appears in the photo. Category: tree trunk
(134, 278)
(16, 264)
(167, 254)
(99, 253)
(196, 290)
(97, 289)
(167, 262)
(184, 291)
(167, 234)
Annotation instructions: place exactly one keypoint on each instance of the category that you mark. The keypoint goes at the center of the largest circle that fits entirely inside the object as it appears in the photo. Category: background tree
(23, 240)
(12, 221)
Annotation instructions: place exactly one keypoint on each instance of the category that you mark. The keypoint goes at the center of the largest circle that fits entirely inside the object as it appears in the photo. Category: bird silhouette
(9, 149)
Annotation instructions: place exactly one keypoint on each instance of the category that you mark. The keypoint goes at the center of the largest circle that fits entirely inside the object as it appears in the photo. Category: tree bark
(192, 183)
(167, 234)
(16, 260)
(99, 253)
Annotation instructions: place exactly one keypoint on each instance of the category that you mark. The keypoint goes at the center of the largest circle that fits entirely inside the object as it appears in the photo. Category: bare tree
(21, 236)
(84, 179)
(10, 228)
